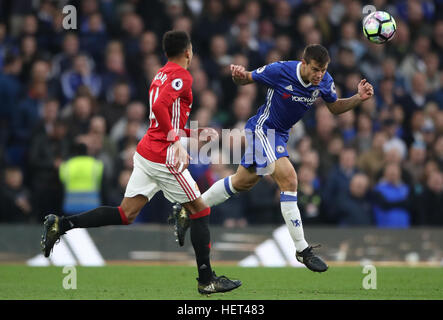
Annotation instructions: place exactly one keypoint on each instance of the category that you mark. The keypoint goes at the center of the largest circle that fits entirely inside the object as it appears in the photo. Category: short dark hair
(175, 43)
(316, 52)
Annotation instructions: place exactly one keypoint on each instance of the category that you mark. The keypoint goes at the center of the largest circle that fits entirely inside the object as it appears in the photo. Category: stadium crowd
(65, 93)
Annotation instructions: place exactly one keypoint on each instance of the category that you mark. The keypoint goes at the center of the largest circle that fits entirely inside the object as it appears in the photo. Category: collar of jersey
(300, 78)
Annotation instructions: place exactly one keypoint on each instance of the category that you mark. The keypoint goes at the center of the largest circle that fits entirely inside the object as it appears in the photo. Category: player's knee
(288, 184)
(243, 185)
(130, 213)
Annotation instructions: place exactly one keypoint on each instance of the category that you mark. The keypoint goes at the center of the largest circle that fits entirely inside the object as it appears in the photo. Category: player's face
(315, 72)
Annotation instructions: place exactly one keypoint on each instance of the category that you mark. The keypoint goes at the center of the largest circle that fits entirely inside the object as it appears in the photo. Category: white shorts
(149, 177)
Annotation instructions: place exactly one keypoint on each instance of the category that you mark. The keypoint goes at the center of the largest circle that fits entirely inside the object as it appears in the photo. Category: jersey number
(152, 99)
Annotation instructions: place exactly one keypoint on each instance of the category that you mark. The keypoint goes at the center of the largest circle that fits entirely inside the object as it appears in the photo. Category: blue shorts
(263, 147)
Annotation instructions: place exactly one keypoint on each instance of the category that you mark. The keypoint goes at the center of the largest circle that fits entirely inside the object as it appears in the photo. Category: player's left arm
(365, 91)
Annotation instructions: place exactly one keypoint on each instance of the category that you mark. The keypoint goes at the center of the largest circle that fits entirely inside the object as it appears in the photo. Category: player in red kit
(160, 164)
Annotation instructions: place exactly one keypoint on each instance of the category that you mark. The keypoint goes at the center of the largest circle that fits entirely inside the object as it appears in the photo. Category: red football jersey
(170, 100)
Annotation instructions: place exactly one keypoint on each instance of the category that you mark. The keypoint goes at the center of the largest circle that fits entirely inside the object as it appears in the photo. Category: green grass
(178, 282)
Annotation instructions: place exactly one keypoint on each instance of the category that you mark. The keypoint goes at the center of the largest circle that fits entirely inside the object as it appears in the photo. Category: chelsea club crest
(315, 93)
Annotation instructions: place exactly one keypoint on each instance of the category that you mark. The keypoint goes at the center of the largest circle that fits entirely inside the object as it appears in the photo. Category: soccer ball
(379, 27)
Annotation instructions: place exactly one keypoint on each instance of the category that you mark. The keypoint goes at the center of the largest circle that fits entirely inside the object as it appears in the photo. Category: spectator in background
(81, 176)
(41, 71)
(248, 46)
(208, 100)
(48, 149)
(346, 126)
(15, 197)
(283, 46)
(437, 152)
(309, 199)
(363, 138)
(218, 57)
(401, 43)
(261, 207)
(93, 38)
(101, 148)
(148, 45)
(414, 63)
(78, 121)
(117, 193)
(310, 158)
(183, 23)
(144, 75)
(131, 135)
(115, 69)
(415, 132)
(63, 61)
(87, 9)
(135, 112)
(349, 38)
(428, 133)
(391, 128)
(49, 117)
(305, 24)
(432, 63)
(266, 39)
(390, 71)
(354, 206)
(324, 130)
(415, 165)
(343, 65)
(416, 98)
(282, 18)
(241, 109)
(26, 115)
(28, 54)
(386, 96)
(81, 74)
(10, 90)
(391, 200)
(200, 82)
(132, 26)
(212, 22)
(116, 108)
(430, 202)
(338, 180)
(232, 215)
(371, 162)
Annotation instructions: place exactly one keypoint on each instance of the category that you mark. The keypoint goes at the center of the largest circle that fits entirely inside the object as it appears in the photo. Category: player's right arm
(268, 75)
(160, 108)
(240, 76)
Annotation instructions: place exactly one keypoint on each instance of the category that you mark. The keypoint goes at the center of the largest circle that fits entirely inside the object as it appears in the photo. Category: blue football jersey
(288, 96)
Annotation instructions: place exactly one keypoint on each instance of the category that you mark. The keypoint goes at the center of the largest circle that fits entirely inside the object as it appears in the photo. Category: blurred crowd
(380, 164)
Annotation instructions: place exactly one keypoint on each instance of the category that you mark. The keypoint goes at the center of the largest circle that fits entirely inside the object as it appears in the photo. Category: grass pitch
(178, 282)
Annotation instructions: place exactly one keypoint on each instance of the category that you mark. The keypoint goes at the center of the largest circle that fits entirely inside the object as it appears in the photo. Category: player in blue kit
(293, 87)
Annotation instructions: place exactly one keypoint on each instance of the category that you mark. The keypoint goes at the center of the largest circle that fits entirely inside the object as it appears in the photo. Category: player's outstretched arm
(365, 91)
(240, 76)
